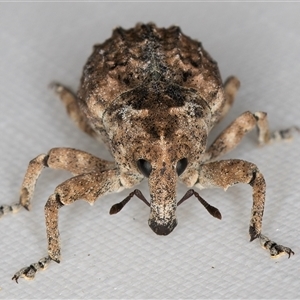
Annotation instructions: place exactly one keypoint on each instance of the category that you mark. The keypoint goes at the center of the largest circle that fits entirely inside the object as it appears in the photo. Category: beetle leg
(29, 272)
(87, 187)
(234, 133)
(231, 86)
(226, 173)
(70, 101)
(72, 160)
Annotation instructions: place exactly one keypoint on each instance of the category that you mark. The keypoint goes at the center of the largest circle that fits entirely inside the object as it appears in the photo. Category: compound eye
(144, 166)
(181, 166)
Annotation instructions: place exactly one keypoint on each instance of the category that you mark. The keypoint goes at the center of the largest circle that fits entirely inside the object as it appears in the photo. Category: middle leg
(72, 160)
(234, 133)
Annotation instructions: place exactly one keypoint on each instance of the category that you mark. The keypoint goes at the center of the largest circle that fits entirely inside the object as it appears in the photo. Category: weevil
(152, 95)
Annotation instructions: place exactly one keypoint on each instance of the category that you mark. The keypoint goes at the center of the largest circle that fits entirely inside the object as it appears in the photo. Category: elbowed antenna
(211, 209)
(118, 206)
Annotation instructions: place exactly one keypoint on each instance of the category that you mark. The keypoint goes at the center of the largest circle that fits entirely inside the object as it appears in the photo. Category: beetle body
(152, 95)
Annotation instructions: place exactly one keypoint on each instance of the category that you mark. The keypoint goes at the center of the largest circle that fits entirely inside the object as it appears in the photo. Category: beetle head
(173, 145)
(162, 164)
(158, 141)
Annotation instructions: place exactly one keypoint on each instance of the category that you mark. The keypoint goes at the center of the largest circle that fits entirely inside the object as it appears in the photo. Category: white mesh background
(119, 256)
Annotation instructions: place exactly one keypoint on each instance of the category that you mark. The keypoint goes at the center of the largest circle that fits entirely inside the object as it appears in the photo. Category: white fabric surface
(119, 256)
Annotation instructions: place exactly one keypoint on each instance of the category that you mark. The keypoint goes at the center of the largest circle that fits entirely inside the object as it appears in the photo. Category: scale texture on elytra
(152, 95)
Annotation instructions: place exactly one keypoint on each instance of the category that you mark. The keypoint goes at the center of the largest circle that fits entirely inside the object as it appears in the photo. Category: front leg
(87, 187)
(229, 172)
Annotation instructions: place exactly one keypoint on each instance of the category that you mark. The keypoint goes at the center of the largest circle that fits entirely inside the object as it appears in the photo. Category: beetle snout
(163, 204)
(162, 218)
(162, 228)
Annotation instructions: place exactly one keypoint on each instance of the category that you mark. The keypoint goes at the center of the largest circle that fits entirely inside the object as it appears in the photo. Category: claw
(29, 272)
(6, 209)
(274, 248)
(55, 86)
(285, 134)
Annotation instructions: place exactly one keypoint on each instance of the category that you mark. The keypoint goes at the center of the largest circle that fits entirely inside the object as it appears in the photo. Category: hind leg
(231, 86)
(72, 107)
